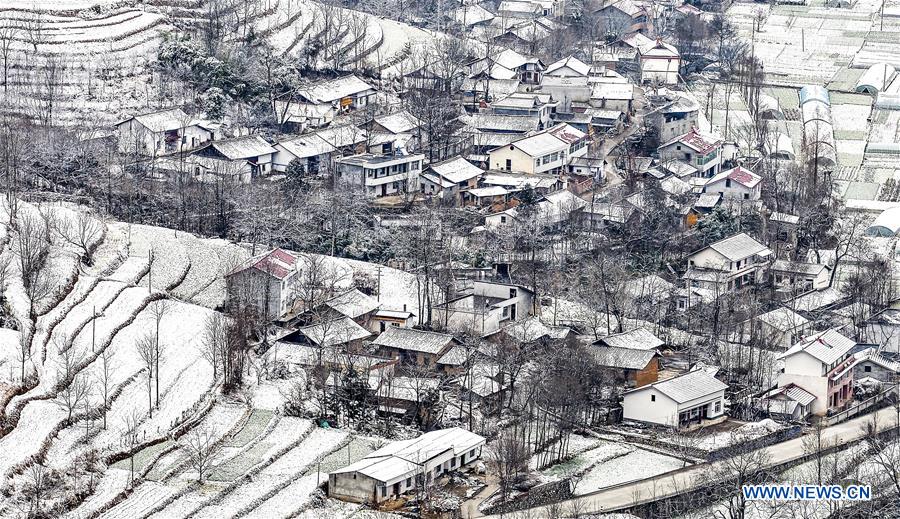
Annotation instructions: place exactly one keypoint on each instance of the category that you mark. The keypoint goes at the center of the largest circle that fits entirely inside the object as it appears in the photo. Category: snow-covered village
(449, 259)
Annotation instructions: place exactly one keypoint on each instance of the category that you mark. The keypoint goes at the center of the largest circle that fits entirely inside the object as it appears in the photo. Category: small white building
(381, 175)
(660, 64)
(799, 276)
(736, 184)
(544, 152)
(821, 364)
(680, 402)
(450, 178)
(163, 132)
(568, 67)
(735, 261)
(311, 151)
(404, 466)
(342, 94)
(250, 153)
(781, 327)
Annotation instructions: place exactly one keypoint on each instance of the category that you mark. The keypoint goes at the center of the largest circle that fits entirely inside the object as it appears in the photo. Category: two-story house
(700, 151)
(725, 266)
(268, 282)
(736, 184)
(161, 133)
(380, 175)
(249, 155)
(449, 179)
(546, 152)
(821, 364)
(540, 106)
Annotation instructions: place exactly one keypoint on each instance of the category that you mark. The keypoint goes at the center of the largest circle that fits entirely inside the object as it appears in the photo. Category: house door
(383, 189)
(508, 164)
(397, 488)
(512, 312)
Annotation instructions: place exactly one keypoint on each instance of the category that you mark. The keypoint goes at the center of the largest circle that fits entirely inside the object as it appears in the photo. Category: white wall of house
(650, 405)
(510, 158)
(708, 259)
(735, 190)
(807, 372)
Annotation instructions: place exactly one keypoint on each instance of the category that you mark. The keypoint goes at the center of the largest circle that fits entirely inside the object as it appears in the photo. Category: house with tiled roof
(162, 132)
(703, 152)
(546, 152)
(726, 266)
(737, 183)
(267, 282)
(822, 364)
(680, 402)
(412, 346)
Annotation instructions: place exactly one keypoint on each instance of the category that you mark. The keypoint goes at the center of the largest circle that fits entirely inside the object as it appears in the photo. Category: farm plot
(287, 431)
(277, 476)
(145, 497)
(638, 464)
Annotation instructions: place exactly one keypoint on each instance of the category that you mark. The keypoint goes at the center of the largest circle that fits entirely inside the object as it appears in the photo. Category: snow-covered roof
(413, 340)
(533, 329)
(352, 303)
(334, 331)
(536, 181)
(698, 142)
(517, 6)
(638, 41)
(783, 319)
(886, 224)
(278, 263)
(556, 138)
(818, 299)
(828, 346)
(306, 146)
(784, 218)
(741, 175)
(398, 122)
(456, 170)
(522, 100)
(481, 192)
(341, 136)
(798, 267)
(876, 78)
(792, 392)
(400, 459)
(335, 89)
(507, 123)
(687, 387)
(616, 91)
(738, 247)
(636, 339)
(161, 121)
(571, 62)
(246, 147)
(622, 358)
(472, 14)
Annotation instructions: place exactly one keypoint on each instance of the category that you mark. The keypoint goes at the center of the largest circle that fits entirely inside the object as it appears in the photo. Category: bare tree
(201, 447)
(81, 232)
(146, 347)
(36, 487)
(131, 423)
(107, 371)
(32, 247)
(214, 342)
(158, 310)
(8, 35)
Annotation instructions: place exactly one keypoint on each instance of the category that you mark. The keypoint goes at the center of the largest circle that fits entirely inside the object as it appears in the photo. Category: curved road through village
(621, 497)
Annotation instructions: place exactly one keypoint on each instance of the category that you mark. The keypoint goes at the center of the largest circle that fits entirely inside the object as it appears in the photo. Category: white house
(568, 67)
(544, 152)
(821, 364)
(381, 175)
(680, 402)
(789, 403)
(404, 466)
(159, 133)
(342, 94)
(553, 210)
(700, 151)
(310, 150)
(799, 276)
(660, 64)
(781, 327)
(485, 306)
(251, 153)
(726, 265)
(737, 184)
(267, 281)
(450, 178)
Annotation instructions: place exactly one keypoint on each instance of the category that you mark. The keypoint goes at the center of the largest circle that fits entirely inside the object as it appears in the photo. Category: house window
(502, 219)
(508, 164)
(681, 304)
(653, 398)
(408, 482)
(512, 292)
(727, 182)
(746, 196)
(718, 406)
(867, 369)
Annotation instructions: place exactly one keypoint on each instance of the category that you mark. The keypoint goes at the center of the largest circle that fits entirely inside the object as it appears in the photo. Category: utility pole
(94, 330)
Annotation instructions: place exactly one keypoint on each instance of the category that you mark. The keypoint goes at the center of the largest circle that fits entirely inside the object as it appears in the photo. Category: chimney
(404, 307)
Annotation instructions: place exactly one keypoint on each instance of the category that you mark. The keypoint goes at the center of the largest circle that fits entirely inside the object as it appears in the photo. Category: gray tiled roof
(687, 387)
(738, 247)
(827, 346)
(622, 358)
(413, 340)
(639, 339)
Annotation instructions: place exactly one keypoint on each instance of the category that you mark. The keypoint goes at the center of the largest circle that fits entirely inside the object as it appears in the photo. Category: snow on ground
(582, 462)
(636, 465)
(746, 432)
(9, 364)
(576, 445)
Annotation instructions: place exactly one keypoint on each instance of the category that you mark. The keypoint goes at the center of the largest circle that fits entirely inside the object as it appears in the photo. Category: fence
(858, 408)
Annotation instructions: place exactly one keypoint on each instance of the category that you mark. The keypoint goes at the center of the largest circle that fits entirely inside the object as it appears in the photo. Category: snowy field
(101, 314)
(636, 465)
